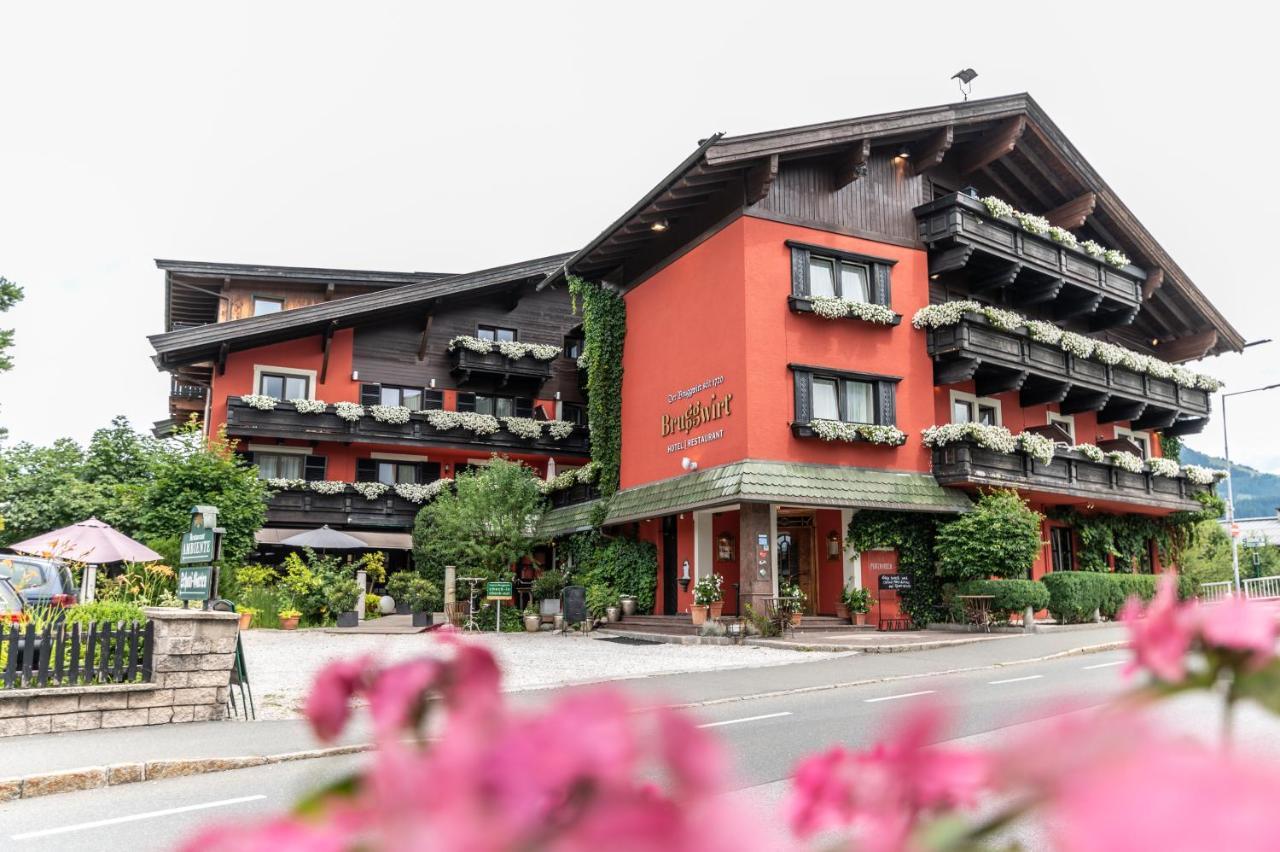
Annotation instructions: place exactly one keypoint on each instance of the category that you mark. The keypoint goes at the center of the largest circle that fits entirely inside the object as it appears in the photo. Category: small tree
(999, 538)
(484, 525)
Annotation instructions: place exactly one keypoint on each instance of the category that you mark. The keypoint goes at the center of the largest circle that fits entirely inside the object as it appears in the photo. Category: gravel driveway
(282, 663)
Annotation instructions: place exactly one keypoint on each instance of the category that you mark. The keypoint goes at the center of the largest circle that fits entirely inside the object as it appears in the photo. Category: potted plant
(613, 613)
(532, 621)
(599, 599)
(858, 602)
(628, 605)
(288, 618)
(420, 596)
(792, 603)
(246, 617)
(341, 599)
(398, 587)
(708, 592)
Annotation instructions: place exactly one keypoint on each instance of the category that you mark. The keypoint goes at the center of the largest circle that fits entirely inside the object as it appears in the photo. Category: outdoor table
(977, 610)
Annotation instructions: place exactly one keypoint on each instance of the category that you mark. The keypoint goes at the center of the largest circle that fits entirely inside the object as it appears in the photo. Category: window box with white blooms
(839, 431)
(832, 308)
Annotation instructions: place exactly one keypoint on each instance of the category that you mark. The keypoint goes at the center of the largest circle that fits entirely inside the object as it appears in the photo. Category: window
(1142, 439)
(391, 473)
(1061, 549)
(496, 333)
(967, 408)
(396, 471)
(1067, 424)
(849, 397)
(283, 387)
(820, 272)
(573, 347)
(265, 305)
(574, 412)
(279, 465)
(410, 398)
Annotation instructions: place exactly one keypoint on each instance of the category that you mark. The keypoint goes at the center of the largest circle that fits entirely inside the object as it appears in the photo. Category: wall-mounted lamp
(904, 153)
(659, 226)
(355, 375)
(688, 464)
(833, 545)
(433, 383)
(724, 547)
(684, 577)
(557, 396)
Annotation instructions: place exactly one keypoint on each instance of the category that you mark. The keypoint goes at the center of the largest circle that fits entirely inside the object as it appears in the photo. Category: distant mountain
(1257, 493)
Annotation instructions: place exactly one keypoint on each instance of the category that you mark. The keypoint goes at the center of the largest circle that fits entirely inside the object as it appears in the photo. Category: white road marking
(1105, 665)
(84, 826)
(747, 719)
(896, 697)
(1013, 680)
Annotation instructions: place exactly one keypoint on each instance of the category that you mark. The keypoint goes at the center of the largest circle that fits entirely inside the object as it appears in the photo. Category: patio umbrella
(91, 542)
(325, 539)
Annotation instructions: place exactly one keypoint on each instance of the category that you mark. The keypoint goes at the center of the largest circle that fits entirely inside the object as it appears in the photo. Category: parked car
(40, 582)
(12, 608)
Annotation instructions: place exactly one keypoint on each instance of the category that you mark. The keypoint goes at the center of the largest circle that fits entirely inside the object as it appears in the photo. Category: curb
(115, 774)
(802, 690)
(933, 645)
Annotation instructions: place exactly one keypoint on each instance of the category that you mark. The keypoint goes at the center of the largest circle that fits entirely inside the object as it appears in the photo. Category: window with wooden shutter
(466, 402)
(822, 394)
(432, 400)
(370, 394)
(523, 407)
(823, 272)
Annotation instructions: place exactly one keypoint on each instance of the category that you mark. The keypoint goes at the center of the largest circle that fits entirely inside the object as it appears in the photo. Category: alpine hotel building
(779, 372)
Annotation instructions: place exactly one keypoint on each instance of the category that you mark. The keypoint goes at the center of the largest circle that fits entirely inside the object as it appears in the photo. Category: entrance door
(796, 556)
(1061, 550)
(670, 606)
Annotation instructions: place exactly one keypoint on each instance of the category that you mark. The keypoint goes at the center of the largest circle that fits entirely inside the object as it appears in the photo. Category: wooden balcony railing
(350, 509)
(490, 365)
(284, 421)
(999, 361)
(1069, 474)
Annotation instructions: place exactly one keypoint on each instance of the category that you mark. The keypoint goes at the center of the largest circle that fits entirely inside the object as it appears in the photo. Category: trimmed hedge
(1008, 596)
(1074, 595)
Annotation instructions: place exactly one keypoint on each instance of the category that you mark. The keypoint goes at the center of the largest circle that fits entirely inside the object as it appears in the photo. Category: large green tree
(484, 525)
(999, 538)
(10, 295)
(43, 488)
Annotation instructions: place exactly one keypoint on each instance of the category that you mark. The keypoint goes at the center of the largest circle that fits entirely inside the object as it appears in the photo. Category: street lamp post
(1231, 501)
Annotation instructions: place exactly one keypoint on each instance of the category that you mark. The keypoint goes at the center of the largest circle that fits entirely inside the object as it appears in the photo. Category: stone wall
(192, 659)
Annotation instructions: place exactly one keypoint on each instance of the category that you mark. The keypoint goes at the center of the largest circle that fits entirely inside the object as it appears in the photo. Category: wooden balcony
(1069, 475)
(999, 361)
(284, 421)
(969, 249)
(310, 509)
(494, 365)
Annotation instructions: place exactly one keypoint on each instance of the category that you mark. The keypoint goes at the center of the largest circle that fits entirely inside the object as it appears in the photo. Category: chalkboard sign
(895, 582)
(574, 604)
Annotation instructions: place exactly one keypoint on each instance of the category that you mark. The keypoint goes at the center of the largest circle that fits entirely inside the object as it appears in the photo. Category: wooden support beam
(930, 154)
(760, 178)
(1103, 320)
(325, 342)
(1078, 307)
(1190, 426)
(1000, 382)
(1000, 277)
(956, 370)
(1041, 391)
(993, 145)
(1074, 212)
(1155, 418)
(426, 334)
(852, 164)
(1036, 294)
(1190, 348)
(223, 351)
(949, 260)
(1116, 410)
(1079, 401)
(1155, 278)
(329, 290)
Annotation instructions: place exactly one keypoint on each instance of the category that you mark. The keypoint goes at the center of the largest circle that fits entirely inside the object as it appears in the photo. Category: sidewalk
(172, 750)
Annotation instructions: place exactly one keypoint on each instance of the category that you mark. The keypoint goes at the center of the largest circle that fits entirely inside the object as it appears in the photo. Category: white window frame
(1141, 438)
(975, 401)
(1066, 421)
(309, 375)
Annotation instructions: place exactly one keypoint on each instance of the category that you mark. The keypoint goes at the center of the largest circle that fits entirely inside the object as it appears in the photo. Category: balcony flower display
(1202, 475)
(308, 406)
(523, 427)
(349, 411)
(328, 486)
(371, 490)
(1091, 452)
(995, 438)
(951, 313)
(559, 429)
(584, 475)
(1032, 223)
(828, 307)
(1092, 248)
(1062, 235)
(837, 430)
(1029, 222)
(479, 424)
(1038, 447)
(509, 348)
(1127, 461)
(416, 492)
(390, 413)
(1163, 467)
(260, 401)
(285, 484)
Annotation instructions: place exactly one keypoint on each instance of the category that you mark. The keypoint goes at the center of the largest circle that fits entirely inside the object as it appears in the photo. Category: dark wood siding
(878, 205)
(387, 352)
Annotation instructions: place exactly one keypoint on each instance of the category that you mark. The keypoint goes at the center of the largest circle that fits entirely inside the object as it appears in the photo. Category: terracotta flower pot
(532, 623)
(698, 614)
(795, 618)
(860, 618)
(289, 623)
(717, 607)
(246, 618)
(842, 612)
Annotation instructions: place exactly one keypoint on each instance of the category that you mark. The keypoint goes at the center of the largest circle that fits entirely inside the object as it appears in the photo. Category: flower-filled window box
(835, 405)
(835, 430)
(835, 284)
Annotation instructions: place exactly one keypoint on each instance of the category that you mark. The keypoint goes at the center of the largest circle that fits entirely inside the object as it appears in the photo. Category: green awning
(566, 520)
(792, 483)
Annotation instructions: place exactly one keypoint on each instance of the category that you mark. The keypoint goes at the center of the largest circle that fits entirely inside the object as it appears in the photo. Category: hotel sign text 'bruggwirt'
(696, 414)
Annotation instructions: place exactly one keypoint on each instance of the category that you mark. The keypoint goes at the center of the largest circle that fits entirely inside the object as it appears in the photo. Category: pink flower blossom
(1161, 634)
(329, 704)
(397, 695)
(1237, 624)
(281, 835)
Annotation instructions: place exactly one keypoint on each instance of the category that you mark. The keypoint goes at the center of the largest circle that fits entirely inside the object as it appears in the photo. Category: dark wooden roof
(1009, 141)
(187, 345)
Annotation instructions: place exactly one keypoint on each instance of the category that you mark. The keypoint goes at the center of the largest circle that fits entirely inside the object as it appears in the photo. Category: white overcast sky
(456, 136)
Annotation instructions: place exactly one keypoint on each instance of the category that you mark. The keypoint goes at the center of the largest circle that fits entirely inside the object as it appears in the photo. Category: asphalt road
(765, 736)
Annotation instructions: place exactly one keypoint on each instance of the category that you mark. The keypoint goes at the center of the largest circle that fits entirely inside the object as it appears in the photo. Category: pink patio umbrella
(91, 542)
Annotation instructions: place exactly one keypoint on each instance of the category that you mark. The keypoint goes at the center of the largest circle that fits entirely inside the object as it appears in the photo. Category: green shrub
(549, 585)
(999, 538)
(630, 567)
(422, 595)
(398, 585)
(104, 611)
(341, 597)
(267, 602)
(599, 598)
(255, 576)
(372, 606)
(1009, 597)
(1074, 595)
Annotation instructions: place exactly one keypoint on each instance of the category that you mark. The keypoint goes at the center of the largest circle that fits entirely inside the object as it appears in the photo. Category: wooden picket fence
(76, 655)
